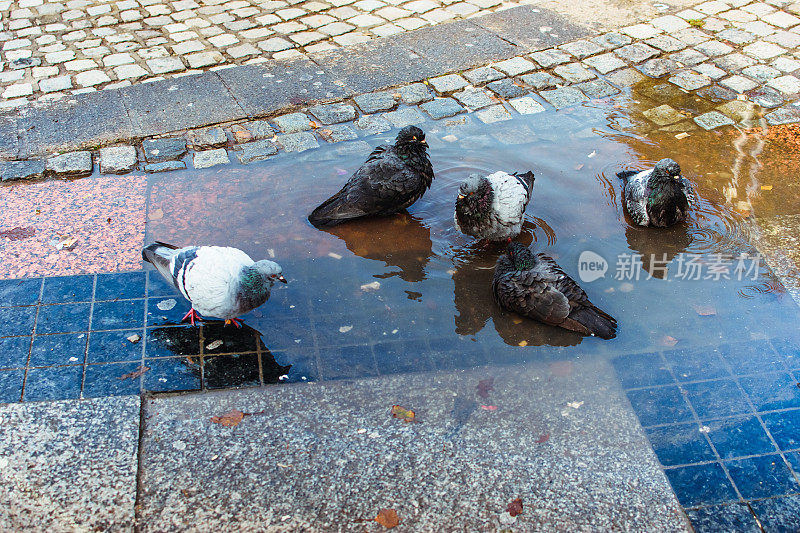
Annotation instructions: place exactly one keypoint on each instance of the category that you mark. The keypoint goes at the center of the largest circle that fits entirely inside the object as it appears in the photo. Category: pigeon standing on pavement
(219, 281)
(392, 178)
(659, 196)
(492, 207)
(534, 285)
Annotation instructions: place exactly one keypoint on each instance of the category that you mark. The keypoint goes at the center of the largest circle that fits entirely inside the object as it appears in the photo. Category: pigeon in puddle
(492, 207)
(534, 285)
(392, 178)
(659, 196)
(219, 281)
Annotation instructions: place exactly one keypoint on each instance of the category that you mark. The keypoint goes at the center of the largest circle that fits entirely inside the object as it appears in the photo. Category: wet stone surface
(167, 149)
(73, 164)
(22, 170)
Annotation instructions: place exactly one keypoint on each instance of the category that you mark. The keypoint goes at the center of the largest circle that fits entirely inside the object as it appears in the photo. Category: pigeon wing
(530, 293)
(211, 279)
(688, 191)
(635, 192)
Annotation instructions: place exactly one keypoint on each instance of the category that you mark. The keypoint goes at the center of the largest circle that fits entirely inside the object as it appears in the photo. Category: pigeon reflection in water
(399, 241)
(658, 246)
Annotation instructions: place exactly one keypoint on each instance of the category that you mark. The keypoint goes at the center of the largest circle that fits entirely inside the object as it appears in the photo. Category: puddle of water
(409, 293)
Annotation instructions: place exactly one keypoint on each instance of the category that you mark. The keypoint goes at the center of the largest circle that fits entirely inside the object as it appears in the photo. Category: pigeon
(392, 178)
(657, 197)
(219, 281)
(534, 285)
(491, 207)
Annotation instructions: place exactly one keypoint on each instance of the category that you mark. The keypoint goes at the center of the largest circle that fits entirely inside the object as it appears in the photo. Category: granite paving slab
(456, 469)
(523, 25)
(69, 465)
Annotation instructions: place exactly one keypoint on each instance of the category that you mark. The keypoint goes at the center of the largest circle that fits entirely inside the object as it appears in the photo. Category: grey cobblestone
(659, 67)
(636, 52)
(405, 117)
(540, 80)
(255, 151)
(550, 58)
(564, 97)
(71, 164)
(415, 93)
(209, 138)
(582, 49)
(298, 142)
(734, 62)
(483, 75)
(373, 124)
(333, 113)
(337, 133)
(158, 150)
(164, 166)
(739, 84)
(474, 98)
(605, 63)
(441, 108)
(689, 81)
(117, 159)
(22, 170)
(374, 102)
(490, 115)
(712, 120)
(210, 158)
(506, 88)
(526, 105)
(574, 72)
(293, 122)
(597, 89)
(515, 66)
(447, 84)
(663, 115)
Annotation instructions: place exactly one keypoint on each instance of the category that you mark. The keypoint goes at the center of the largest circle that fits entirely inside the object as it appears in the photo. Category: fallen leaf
(387, 518)
(489, 407)
(485, 386)
(515, 507)
(134, 338)
(705, 310)
(166, 305)
(230, 419)
(313, 124)
(574, 405)
(374, 286)
(543, 438)
(345, 329)
(516, 321)
(136, 373)
(594, 153)
(406, 415)
(18, 233)
(156, 214)
(766, 187)
(523, 343)
(214, 345)
(580, 167)
(682, 135)
(666, 340)
(67, 242)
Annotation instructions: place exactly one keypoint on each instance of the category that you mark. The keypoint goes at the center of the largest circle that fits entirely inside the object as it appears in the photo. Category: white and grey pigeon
(219, 281)
(659, 196)
(492, 207)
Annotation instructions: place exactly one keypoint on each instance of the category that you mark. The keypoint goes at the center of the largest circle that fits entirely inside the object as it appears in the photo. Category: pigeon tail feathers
(592, 321)
(527, 179)
(625, 174)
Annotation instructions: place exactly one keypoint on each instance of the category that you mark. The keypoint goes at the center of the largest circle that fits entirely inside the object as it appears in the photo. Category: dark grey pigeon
(493, 207)
(219, 281)
(392, 178)
(534, 286)
(659, 196)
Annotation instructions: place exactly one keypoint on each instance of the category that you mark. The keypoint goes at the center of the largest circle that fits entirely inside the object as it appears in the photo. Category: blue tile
(157, 286)
(794, 461)
(403, 356)
(225, 371)
(694, 364)
(662, 405)
(785, 428)
(67, 289)
(739, 436)
(328, 330)
(114, 346)
(762, 476)
(714, 399)
(61, 349)
(448, 353)
(11, 385)
(63, 318)
(54, 383)
(347, 362)
(641, 370)
(302, 365)
(722, 518)
(679, 444)
(789, 349)
(701, 484)
(752, 357)
(128, 314)
(172, 374)
(107, 380)
(168, 316)
(770, 392)
(19, 291)
(283, 333)
(14, 352)
(16, 321)
(234, 340)
(167, 342)
(778, 515)
(120, 286)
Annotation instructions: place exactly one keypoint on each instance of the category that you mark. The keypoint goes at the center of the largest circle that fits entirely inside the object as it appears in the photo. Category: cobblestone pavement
(55, 48)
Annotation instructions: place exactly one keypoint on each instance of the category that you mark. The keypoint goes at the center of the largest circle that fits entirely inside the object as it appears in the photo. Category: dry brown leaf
(666, 340)
(387, 518)
(136, 373)
(515, 507)
(230, 419)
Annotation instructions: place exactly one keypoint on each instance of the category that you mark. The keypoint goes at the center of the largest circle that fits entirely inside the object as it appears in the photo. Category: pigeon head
(262, 274)
(520, 255)
(474, 197)
(668, 168)
(411, 135)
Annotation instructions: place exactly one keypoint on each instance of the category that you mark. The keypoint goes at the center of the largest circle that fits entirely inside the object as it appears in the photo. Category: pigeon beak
(461, 197)
(423, 142)
(282, 279)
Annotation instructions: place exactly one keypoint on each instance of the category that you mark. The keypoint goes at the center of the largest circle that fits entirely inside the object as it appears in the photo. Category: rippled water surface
(409, 293)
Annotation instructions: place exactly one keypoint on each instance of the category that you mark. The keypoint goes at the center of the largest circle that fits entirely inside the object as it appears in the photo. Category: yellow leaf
(523, 343)
(406, 415)
(766, 187)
